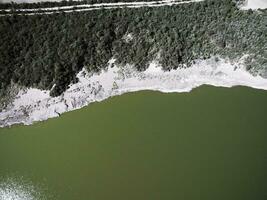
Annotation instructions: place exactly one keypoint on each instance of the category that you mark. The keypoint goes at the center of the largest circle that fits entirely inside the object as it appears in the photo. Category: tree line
(45, 50)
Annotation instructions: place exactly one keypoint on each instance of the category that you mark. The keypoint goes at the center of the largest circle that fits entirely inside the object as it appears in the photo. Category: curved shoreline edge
(32, 105)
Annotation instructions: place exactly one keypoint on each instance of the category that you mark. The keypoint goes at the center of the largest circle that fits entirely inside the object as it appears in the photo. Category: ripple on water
(19, 189)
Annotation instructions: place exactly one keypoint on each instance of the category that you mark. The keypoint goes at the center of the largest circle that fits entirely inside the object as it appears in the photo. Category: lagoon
(208, 144)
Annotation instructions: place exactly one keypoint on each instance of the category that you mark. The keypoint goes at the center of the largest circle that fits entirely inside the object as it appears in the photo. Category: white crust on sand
(33, 105)
(255, 4)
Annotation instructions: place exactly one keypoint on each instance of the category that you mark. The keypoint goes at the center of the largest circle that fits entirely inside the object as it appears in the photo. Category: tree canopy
(45, 50)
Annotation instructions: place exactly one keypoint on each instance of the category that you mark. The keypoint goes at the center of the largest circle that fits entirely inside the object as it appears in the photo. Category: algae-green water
(209, 144)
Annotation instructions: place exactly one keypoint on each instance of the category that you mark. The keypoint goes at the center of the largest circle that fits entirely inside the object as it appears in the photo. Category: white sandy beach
(33, 105)
(255, 4)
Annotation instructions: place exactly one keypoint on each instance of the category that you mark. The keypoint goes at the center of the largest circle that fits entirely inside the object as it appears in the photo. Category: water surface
(208, 144)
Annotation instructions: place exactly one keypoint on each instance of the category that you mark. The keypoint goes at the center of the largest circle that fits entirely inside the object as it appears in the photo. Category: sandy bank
(33, 105)
(255, 4)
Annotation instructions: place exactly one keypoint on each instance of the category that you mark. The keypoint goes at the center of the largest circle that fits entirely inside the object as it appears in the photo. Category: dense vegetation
(43, 50)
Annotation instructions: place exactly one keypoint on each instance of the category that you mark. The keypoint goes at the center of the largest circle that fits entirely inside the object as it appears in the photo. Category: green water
(210, 144)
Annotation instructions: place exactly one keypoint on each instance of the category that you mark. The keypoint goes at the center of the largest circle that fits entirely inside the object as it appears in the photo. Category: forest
(45, 50)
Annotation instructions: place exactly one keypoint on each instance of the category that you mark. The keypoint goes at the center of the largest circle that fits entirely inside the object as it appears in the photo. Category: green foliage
(45, 50)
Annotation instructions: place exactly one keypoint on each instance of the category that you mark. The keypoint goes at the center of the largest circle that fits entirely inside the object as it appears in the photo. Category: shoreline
(32, 105)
